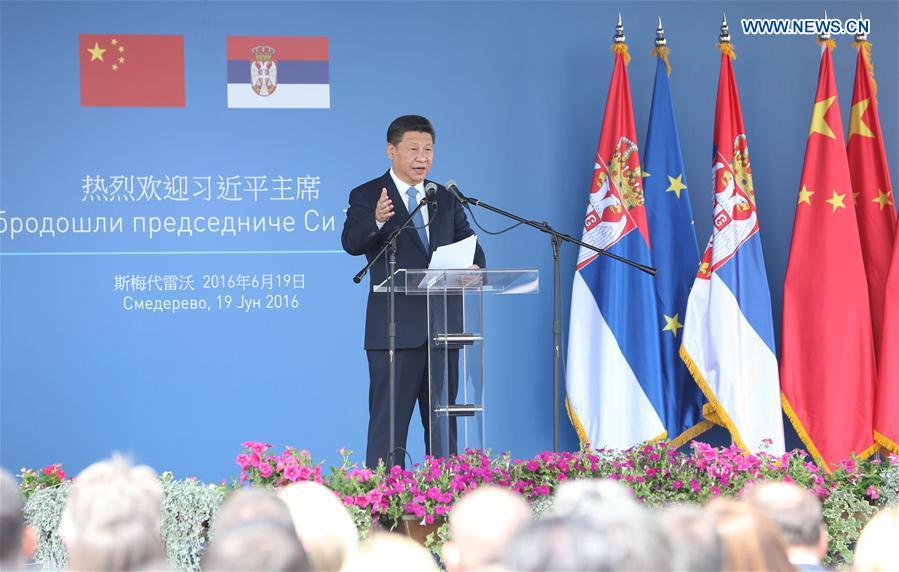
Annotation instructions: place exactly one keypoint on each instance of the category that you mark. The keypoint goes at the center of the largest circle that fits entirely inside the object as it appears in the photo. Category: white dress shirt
(403, 189)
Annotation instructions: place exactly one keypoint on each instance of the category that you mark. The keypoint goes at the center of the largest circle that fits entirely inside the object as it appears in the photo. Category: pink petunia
(873, 492)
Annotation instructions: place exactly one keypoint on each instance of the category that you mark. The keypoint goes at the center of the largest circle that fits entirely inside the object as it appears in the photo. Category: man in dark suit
(377, 208)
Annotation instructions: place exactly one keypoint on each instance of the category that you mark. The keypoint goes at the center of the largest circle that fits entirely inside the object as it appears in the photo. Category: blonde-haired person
(390, 552)
(111, 517)
(875, 550)
(322, 524)
(751, 541)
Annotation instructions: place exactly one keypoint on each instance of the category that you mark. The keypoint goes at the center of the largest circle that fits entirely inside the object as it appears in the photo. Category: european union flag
(675, 256)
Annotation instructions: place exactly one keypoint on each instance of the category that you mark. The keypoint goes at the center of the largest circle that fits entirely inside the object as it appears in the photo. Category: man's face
(412, 157)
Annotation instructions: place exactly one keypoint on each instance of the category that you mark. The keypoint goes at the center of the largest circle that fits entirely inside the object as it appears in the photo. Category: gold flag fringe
(865, 47)
(662, 52)
(621, 48)
(829, 42)
(727, 49)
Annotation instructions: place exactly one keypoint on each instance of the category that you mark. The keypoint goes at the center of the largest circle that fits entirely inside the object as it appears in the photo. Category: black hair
(400, 125)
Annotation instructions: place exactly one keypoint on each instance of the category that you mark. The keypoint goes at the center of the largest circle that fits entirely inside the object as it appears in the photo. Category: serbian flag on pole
(886, 418)
(614, 378)
(129, 70)
(728, 339)
(827, 367)
(674, 252)
(870, 174)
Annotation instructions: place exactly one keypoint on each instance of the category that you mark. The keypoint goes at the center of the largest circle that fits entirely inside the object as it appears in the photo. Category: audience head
(622, 540)
(875, 550)
(589, 497)
(322, 524)
(694, 541)
(481, 524)
(796, 512)
(750, 541)
(111, 517)
(394, 552)
(12, 522)
(253, 531)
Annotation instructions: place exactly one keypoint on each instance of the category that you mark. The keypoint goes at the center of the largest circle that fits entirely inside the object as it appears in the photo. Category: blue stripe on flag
(289, 71)
(749, 285)
(626, 299)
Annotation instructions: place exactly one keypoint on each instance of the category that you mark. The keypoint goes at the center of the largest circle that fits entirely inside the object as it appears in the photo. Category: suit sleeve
(463, 231)
(360, 231)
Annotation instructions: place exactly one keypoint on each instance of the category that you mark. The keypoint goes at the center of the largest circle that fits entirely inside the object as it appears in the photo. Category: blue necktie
(417, 220)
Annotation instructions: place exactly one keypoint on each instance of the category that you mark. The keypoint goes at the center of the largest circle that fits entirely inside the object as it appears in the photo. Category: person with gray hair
(480, 525)
(694, 540)
(619, 540)
(253, 531)
(12, 522)
(588, 497)
(111, 517)
(796, 512)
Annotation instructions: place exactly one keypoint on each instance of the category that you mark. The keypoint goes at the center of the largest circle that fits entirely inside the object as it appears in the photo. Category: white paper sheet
(457, 255)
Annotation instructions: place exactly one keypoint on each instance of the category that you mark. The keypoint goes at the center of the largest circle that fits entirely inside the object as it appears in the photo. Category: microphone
(431, 193)
(454, 189)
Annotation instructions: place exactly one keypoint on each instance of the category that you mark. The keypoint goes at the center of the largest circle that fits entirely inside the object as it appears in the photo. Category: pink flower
(694, 484)
(292, 473)
(429, 519)
(265, 470)
(348, 500)
(677, 484)
(873, 492)
(533, 465)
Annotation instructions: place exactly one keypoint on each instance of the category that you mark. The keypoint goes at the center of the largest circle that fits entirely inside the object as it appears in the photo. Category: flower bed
(657, 474)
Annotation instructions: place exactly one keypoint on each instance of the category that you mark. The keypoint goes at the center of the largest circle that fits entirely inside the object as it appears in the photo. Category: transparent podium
(456, 349)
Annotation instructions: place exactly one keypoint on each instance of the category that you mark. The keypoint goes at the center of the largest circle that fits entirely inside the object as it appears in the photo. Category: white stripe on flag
(286, 96)
(603, 391)
(737, 365)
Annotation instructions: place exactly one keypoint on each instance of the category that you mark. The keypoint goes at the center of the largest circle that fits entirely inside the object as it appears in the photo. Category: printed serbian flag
(278, 72)
(129, 70)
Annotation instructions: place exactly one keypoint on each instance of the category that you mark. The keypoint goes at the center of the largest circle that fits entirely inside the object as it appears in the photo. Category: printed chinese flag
(871, 183)
(827, 366)
(886, 418)
(127, 70)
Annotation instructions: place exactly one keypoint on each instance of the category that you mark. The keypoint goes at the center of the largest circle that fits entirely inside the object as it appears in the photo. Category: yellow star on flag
(114, 41)
(805, 196)
(115, 67)
(672, 325)
(856, 125)
(883, 199)
(836, 201)
(676, 185)
(96, 52)
(819, 124)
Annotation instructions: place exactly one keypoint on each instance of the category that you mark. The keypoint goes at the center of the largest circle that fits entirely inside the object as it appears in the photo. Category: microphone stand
(390, 247)
(556, 238)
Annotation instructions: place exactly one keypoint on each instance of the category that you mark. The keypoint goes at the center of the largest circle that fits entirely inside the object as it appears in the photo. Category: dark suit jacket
(448, 224)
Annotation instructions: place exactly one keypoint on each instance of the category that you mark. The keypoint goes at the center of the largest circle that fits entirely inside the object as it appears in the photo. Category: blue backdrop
(516, 92)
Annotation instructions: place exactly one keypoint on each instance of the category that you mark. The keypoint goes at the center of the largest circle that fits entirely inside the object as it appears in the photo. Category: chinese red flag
(827, 366)
(886, 409)
(127, 70)
(871, 182)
